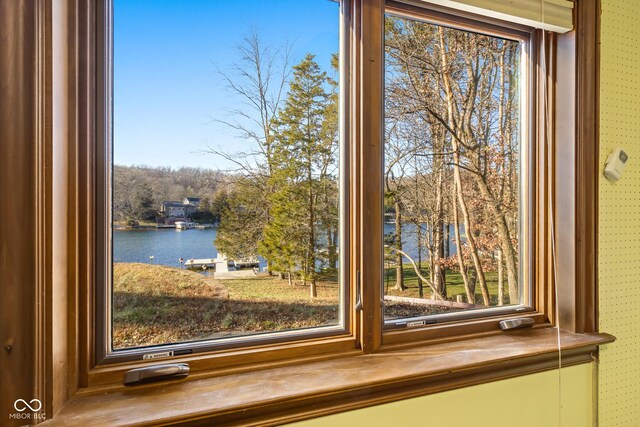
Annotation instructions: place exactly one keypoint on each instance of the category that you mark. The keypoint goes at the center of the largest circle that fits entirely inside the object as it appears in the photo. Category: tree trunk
(469, 230)
(473, 279)
(447, 236)
(432, 257)
(439, 279)
(269, 269)
(443, 271)
(313, 292)
(399, 270)
(456, 173)
(332, 234)
(332, 254)
(471, 292)
(419, 238)
(311, 256)
(500, 279)
(505, 239)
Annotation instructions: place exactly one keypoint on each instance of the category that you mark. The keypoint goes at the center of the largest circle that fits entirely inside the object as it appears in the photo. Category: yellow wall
(619, 252)
(527, 401)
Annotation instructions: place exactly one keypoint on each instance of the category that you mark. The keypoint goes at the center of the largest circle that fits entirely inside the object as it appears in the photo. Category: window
(245, 209)
(225, 201)
(455, 176)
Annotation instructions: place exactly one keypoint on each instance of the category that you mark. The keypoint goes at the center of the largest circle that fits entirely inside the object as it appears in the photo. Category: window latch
(519, 323)
(156, 373)
(358, 292)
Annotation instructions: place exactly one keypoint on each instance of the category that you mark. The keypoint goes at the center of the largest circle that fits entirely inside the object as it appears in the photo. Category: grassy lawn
(455, 285)
(270, 288)
(154, 304)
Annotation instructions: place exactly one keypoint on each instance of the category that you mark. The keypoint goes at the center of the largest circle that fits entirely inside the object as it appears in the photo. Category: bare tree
(259, 79)
(465, 83)
(396, 151)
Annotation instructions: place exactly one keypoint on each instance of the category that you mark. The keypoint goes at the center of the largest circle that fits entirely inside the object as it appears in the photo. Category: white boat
(247, 262)
(184, 225)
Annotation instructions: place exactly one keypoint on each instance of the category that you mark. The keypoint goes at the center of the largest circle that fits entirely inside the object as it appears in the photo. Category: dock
(221, 264)
(223, 272)
(199, 263)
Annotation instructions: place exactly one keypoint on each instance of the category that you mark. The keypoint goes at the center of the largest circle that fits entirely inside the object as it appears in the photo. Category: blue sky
(167, 54)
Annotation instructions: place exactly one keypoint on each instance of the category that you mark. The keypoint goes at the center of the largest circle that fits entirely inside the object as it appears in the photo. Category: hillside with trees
(139, 190)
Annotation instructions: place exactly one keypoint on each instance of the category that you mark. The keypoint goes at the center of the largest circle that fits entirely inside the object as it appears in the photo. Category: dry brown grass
(154, 304)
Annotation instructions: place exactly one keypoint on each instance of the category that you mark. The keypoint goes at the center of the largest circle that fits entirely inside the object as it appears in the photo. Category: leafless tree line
(452, 151)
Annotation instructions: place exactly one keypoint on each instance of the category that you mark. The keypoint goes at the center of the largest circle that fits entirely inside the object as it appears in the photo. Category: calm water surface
(168, 245)
(165, 245)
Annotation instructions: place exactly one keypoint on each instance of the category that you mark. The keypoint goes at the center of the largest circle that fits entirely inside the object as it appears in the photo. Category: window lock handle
(358, 292)
(519, 323)
(156, 373)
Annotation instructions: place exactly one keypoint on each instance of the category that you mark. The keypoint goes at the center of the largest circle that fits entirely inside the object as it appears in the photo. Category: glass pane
(452, 175)
(225, 196)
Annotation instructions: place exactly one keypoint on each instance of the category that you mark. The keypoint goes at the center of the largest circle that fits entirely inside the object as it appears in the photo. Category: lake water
(165, 245)
(168, 245)
(410, 239)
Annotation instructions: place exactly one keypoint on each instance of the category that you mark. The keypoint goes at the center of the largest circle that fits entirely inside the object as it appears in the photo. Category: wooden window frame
(53, 354)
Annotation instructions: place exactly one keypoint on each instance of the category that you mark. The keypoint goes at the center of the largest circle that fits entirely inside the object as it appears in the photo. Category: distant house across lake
(186, 208)
(195, 201)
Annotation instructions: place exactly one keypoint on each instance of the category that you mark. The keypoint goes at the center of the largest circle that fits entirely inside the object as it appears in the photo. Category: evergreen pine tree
(239, 232)
(299, 144)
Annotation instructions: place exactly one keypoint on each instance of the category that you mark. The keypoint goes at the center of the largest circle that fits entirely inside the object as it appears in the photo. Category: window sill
(291, 393)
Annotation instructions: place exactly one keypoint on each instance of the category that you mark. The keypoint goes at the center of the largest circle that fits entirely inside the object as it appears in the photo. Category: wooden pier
(223, 272)
(220, 265)
(199, 263)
